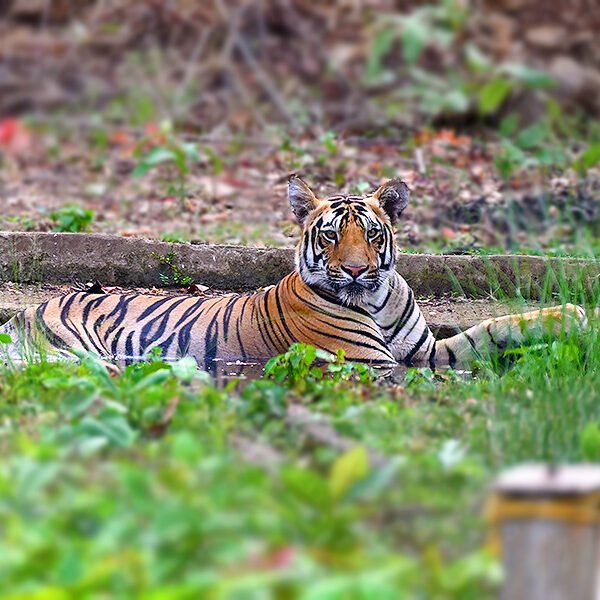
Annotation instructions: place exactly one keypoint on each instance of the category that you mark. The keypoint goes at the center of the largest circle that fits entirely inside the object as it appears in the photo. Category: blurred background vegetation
(181, 119)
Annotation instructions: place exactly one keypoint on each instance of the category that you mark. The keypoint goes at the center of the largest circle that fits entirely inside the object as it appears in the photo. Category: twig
(420, 161)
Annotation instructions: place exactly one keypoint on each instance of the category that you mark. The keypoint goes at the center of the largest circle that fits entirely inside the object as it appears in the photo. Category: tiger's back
(232, 327)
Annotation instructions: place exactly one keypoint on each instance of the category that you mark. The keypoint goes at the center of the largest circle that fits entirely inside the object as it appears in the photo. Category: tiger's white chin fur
(355, 294)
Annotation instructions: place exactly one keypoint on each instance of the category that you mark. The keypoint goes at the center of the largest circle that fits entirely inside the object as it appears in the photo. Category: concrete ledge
(67, 257)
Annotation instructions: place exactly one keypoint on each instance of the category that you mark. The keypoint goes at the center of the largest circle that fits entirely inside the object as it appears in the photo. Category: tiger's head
(347, 247)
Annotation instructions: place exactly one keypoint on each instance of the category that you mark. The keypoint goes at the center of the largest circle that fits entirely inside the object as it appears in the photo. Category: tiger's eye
(329, 236)
(373, 233)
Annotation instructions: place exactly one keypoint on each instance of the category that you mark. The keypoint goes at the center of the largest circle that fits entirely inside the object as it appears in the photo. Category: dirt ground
(458, 202)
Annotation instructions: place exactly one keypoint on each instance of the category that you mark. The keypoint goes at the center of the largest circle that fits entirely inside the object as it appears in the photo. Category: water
(223, 372)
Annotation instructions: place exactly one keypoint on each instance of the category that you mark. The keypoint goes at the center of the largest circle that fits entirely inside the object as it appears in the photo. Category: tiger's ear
(301, 198)
(393, 197)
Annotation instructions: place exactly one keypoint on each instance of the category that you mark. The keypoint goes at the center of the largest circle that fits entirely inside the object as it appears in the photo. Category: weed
(175, 276)
(135, 458)
(175, 237)
(473, 83)
(174, 153)
(298, 367)
(72, 218)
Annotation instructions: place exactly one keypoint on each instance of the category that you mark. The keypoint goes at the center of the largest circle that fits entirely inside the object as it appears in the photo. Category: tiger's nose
(354, 270)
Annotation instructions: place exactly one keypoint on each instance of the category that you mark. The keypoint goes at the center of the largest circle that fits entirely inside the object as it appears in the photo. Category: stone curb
(113, 260)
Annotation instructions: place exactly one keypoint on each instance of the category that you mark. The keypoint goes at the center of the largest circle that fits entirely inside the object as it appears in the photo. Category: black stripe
(184, 335)
(333, 300)
(121, 310)
(332, 336)
(227, 316)
(261, 322)
(166, 345)
(129, 349)
(497, 344)
(153, 307)
(377, 309)
(210, 344)
(470, 340)
(417, 347)
(282, 318)
(367, 334)
(93, 303)
(279, 342)
(451, 357)
(432, 356)
(115, 342)
(305, 244)
(239, 320)
(64, 318)
(164, 320)
(189, 311)
(405, 318)
(54, 339)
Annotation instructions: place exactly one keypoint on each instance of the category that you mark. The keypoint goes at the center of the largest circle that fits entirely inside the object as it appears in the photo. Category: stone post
(546, 520)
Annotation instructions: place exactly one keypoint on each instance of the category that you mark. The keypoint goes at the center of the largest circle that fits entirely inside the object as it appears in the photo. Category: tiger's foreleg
(494, 336)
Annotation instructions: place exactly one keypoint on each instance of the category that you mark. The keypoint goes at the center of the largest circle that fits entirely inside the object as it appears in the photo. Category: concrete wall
(114, 260)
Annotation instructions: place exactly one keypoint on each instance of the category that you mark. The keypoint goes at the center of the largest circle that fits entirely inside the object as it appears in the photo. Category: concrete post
(546, 520)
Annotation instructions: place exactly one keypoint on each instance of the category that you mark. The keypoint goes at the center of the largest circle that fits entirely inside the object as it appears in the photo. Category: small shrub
(72, 218)
(298, 366)
(176, 275)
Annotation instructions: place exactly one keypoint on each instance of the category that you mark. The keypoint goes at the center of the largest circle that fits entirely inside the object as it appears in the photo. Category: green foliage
(178, 156)
(361, 188)
(471, 82)
(329, 141)
(590, 442)
(588, 159)
(158, 482)
(533, 146)
(72, 218)
(104, 478)
(420, 379)
(298, 367)
(174, 237)
(493, 94)
(175, 276)
(175, 153)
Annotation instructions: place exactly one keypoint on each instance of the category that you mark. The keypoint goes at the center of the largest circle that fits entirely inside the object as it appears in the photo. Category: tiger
(344, 294)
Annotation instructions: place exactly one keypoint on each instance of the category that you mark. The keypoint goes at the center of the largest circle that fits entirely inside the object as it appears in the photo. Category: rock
(569, 73)
(546, 36)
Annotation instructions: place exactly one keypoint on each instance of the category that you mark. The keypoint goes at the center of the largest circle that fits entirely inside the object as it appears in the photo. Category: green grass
(160, 483)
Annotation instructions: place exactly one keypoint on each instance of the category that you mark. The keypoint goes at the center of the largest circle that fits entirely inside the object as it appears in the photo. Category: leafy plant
(470, 83)
(176, 154)
(72, 218)
(590, 442)
(175, 276)
(588, 159)
(533, 146)
(298, 366)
